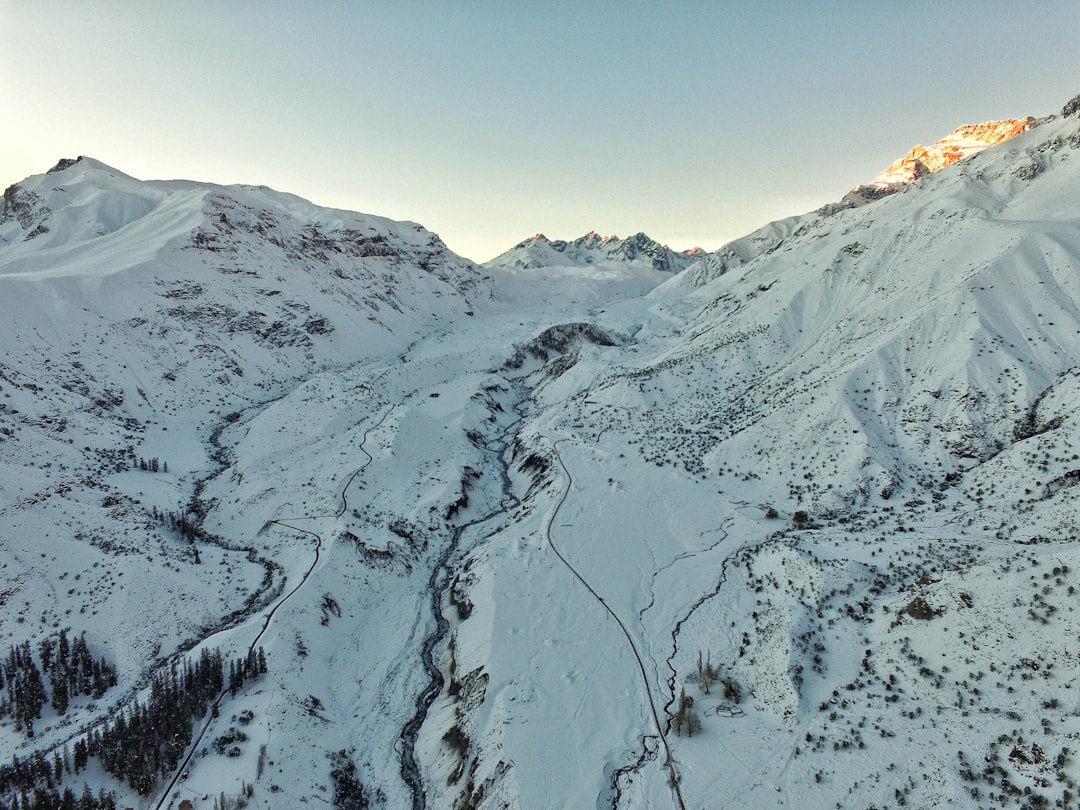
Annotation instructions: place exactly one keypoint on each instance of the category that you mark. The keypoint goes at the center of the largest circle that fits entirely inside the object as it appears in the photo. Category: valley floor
(876, 657)
(513, 568)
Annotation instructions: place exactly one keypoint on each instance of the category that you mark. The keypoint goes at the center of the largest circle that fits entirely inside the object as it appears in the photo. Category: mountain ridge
(592, 249)
(962, 143)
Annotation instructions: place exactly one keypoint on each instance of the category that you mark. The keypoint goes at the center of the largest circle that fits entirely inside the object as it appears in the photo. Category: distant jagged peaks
(591, 249)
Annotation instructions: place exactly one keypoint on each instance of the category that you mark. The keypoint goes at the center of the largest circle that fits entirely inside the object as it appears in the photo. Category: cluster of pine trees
(35, 783)
(248, 668)
(148, 739)
(25, 689)
(71, 671)
(150, 465)
(53, 799)
(139, 745)
(180, 522)
(184, 525)
(349, 793)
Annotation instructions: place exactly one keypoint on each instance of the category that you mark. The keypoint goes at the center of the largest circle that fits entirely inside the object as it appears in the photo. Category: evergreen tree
(59, 681)
(63, 650)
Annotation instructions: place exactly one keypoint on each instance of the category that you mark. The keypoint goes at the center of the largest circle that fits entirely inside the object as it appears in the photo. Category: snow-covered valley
(787, 523)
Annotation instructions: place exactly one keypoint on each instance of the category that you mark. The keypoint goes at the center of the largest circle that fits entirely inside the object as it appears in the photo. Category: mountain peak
(65, 163)
(592, 249)
(85, 163)
(962, 142)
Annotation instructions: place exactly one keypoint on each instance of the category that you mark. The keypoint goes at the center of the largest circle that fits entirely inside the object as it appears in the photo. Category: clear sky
(693, 121)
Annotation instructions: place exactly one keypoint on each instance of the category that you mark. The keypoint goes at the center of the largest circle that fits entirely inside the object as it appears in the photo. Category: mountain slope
(138, 319)
(962, 142)
(234, 285)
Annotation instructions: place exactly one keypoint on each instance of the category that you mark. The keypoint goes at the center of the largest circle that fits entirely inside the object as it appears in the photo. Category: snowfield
(508, 533)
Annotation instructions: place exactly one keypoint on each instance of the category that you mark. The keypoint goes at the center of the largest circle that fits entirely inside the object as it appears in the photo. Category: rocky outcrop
(1072, 107)
(962, 142)
(26, 208)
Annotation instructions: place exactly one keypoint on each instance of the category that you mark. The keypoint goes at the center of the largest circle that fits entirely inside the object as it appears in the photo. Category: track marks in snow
(675, 777)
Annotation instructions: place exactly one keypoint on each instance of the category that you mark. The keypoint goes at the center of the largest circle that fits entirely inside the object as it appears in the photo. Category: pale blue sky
(695, 122)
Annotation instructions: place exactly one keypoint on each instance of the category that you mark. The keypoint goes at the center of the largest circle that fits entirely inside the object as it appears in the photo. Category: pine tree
(59, 683)
(81, 755)
(63, 650)
(45, 653)
(98, 686)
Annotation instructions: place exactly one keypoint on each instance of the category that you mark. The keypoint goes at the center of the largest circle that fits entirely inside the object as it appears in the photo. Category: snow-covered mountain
(961, 143)
(126, 301)
(791, 525)
(139, 318)
(853, 508)
(638, 251)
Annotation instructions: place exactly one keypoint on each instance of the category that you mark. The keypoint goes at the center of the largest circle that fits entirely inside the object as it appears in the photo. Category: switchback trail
(675, 778)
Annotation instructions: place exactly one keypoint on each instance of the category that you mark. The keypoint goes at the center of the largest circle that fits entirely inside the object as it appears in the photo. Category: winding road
(674, 777)
(185, 763)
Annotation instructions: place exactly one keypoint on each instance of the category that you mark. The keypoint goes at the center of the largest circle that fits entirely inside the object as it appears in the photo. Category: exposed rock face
(26, 208)
(1072, 107)
(962, 142)
(65, 163)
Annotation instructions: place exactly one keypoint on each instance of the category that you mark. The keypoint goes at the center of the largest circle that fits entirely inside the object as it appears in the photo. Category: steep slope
(236, 285)
(962, 142)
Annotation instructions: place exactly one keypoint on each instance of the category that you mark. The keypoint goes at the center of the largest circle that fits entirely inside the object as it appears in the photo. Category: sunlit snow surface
(904, 373)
